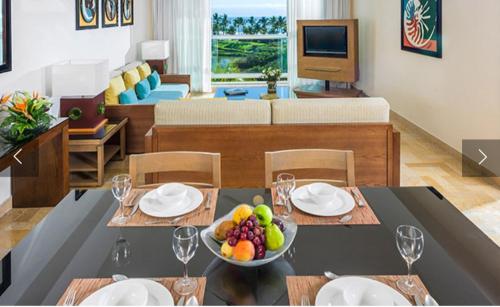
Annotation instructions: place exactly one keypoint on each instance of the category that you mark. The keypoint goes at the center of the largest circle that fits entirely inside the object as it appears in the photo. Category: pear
(274, 237)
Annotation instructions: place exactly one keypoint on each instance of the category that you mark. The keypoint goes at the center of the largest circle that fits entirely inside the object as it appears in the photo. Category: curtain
(309, 9)
(187, 24)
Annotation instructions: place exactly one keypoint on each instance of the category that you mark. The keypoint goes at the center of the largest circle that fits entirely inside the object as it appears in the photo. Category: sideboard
(39, 168)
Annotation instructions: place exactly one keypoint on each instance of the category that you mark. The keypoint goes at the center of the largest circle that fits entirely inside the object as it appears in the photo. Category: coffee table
(254, 92)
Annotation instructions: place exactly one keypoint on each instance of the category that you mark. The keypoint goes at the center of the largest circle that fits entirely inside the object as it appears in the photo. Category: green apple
(263, 214)
(274, 237)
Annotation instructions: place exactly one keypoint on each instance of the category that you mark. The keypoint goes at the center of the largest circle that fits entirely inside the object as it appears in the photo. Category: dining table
(460, 265)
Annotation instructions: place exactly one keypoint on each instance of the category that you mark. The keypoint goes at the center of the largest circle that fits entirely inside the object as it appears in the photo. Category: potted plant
(27, 116)
(271, 75)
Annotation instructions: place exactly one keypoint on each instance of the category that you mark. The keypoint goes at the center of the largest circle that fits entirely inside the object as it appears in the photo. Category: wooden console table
(41, 178)
(88, 157)
(320, 92)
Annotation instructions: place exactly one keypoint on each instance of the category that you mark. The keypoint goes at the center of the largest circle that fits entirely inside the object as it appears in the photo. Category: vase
(13, 136)
(271, 87)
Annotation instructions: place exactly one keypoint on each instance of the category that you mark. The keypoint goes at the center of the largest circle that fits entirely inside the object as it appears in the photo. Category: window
(248, 37)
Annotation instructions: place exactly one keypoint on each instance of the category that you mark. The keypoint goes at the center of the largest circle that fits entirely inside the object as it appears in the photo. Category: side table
(88, 157)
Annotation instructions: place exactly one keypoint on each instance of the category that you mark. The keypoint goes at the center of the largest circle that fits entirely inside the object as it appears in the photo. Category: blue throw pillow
(143, 89)
(128, 97)
(154, 80)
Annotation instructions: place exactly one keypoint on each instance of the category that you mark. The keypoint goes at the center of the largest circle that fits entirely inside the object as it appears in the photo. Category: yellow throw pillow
(116, 87)
(131, 78)
(144, 70)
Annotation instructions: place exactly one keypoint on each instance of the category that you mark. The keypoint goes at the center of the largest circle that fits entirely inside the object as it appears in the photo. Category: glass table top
(254, 92)
(459, 265)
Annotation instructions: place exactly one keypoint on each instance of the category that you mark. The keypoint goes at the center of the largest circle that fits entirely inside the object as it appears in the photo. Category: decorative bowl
(13, 136)
(208, 237)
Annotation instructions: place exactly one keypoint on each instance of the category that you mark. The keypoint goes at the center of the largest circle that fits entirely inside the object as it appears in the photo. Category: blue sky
(246, 8)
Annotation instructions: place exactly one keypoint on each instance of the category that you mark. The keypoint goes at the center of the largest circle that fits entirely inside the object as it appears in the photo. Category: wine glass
(185, 243)
(121, 189)
(410, 242)
(286, 184)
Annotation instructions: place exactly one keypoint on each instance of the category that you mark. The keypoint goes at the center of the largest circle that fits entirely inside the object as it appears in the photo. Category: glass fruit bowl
(214, 245)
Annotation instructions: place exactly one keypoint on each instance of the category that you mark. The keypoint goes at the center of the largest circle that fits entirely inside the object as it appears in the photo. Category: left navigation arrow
(17, 159)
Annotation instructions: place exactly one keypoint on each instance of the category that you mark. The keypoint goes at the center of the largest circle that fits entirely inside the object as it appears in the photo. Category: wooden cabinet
(41, 178)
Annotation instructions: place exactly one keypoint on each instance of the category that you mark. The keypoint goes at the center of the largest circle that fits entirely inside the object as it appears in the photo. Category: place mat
(199, 217)
(360, 215)
(85, 287)
(310, 285)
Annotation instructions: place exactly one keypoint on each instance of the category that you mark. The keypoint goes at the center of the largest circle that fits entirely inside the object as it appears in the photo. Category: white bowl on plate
(321, 193)
(172, 192)
(126, 293)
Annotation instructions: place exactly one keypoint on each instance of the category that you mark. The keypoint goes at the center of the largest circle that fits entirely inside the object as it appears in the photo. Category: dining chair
(302, 159)
(152, 164)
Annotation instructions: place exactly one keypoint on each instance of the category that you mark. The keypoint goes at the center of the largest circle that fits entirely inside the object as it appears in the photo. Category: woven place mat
(310, 286)
(360, 215)
(85, 287)
(199, 217)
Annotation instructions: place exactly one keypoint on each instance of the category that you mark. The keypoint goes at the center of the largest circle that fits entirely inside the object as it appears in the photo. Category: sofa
(141, 114)
(243, 131)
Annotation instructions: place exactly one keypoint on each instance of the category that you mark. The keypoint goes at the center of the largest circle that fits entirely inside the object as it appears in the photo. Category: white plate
(193, 200)
(359, 291)
(158, 294)
(208, 237)
(301, 200)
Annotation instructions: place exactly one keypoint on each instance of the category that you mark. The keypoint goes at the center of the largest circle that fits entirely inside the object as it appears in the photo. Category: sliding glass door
(248, 37)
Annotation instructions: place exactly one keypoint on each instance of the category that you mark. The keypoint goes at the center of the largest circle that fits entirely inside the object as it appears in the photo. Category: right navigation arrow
(484, 157)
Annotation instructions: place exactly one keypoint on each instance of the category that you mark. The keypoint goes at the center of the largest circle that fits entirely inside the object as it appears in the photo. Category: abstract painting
(5, 34)
(421, 27)
(109, 13)
(127, 9)
(87, 14)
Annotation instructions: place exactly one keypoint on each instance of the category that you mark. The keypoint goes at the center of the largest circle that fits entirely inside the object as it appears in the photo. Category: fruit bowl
(214, 245)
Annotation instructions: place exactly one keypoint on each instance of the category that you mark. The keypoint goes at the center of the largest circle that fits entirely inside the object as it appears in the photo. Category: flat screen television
(325, 41)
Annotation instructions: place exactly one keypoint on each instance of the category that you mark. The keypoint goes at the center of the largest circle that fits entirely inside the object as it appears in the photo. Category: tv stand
(327, 92)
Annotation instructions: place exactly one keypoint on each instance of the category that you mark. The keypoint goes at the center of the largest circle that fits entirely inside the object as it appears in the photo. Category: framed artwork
(6, 39)
(421, 27)
(127, 10)
(87, 14)
(109, 13)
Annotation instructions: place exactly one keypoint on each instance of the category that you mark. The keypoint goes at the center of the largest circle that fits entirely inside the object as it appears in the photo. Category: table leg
(123, 140)
(100, 165)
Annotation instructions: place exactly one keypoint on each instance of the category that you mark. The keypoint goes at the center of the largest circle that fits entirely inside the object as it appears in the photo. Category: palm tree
(238, 23)
(231, 30)
(252, 22)
(262, 25)
(224, 23)
(273, 23)
(282, 24)
(216, 24)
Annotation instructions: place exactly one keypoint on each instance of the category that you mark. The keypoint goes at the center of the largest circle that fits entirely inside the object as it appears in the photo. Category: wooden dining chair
(300, 159)
(153, 164)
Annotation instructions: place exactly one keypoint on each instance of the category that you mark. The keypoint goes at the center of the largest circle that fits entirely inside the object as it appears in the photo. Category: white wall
(453, 98)
(43, 33)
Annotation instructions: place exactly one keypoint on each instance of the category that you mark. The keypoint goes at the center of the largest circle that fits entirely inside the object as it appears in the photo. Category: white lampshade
(155, 50)
(80, 78)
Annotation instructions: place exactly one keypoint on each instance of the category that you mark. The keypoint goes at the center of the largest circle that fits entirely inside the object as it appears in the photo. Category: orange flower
(5, 99)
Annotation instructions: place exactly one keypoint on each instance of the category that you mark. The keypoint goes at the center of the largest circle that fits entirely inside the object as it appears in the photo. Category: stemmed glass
(285, 186)
(185, 243)
(122, 185)
(410, 242)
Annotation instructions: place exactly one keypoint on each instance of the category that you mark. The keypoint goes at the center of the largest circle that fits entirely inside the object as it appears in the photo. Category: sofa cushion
(144, 70)
(154, 80)
(128, 97)
(143, 89)
(330, 111)
(116, 87)
(202, 112)
(182, 90)
(131, 78)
